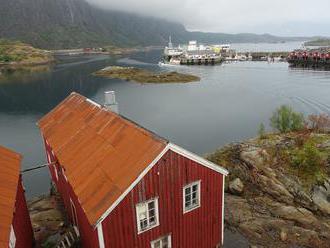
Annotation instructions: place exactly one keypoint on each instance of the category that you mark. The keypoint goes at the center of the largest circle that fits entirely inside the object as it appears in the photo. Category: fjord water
(227, 105)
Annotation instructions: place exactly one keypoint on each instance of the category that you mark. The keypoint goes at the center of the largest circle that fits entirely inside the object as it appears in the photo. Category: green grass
(15, 51)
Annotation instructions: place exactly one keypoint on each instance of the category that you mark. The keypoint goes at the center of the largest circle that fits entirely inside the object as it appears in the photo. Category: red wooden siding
(21, 221)
(88, 235)
(199, 228)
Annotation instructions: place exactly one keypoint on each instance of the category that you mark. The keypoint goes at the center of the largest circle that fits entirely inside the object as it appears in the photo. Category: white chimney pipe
(110, 101)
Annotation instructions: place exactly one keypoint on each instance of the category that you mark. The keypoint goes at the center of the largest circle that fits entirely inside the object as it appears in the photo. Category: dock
(201, 61)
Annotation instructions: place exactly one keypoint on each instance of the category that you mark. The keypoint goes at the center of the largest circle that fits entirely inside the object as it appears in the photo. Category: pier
(201, 61)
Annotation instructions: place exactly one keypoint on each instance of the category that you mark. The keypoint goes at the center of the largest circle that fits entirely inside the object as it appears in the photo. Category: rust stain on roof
(102, 152)
(9, 175)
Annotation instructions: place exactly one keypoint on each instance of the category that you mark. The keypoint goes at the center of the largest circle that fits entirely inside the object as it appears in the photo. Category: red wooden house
(123, 186)
(15, 225)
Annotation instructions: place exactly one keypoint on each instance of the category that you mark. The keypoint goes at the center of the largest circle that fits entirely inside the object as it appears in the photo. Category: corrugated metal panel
(199, 228)
(9, 177)
(102, 152)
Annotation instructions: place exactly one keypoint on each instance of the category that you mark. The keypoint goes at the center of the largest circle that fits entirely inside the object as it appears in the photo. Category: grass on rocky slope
(305, 156)
(18, 52)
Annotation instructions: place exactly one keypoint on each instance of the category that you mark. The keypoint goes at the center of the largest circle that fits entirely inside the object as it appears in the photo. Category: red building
(124, 186)
(15, 225)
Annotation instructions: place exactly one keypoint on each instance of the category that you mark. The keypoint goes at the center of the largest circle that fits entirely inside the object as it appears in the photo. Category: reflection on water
(227, 105)
(23, 91)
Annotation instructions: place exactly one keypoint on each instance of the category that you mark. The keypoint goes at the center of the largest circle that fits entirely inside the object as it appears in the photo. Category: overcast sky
(279, 17)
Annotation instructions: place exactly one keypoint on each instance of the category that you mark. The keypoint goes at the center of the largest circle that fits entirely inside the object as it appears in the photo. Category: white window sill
(147, 229)
(190, 209)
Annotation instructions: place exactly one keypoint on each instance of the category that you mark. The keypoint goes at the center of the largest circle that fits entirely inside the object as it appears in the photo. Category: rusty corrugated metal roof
(9, 175)
(102, 152)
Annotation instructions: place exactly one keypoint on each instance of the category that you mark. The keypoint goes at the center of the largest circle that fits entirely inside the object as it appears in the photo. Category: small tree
(261, 131)
(284, 119)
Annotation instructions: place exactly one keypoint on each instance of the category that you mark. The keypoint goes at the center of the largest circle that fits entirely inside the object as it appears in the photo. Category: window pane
(152, 212)
(164, 241)
(187, 191)
(194, 202)
(187, 198)
(151, 205)
(194, 187)
(194, 195)
(157, 244)
(152, 221)
(143, 224)
(187, 204)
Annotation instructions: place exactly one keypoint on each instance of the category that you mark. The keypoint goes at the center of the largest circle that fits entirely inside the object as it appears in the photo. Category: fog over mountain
(57, 24)
(280, 17)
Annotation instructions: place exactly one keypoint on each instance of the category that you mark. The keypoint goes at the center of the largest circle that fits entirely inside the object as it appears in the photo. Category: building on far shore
(15, 224)
(124, 186)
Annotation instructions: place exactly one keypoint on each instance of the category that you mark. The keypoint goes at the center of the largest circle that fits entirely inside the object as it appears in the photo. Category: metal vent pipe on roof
(110, 101)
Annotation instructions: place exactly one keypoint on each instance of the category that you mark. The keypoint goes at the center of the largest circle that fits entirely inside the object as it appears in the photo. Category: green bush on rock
(285, 119)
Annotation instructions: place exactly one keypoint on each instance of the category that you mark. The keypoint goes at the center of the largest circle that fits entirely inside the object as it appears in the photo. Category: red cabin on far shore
(15, 225)
(123, 186)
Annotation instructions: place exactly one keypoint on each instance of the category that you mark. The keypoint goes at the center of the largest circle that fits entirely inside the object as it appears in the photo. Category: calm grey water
(227, 105)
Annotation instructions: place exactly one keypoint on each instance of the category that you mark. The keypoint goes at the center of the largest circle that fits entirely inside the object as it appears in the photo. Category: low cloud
(281, 17)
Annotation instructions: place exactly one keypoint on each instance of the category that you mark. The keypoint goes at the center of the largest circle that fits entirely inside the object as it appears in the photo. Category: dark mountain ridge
(59, 24)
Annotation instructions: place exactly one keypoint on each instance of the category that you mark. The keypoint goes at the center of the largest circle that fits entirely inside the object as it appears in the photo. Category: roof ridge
(102, 107)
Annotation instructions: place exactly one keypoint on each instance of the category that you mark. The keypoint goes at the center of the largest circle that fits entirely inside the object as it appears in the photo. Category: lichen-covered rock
(236, 186)
(321, 197)
(277, 206)
(274, 188)
(237, 210)
(254, 156)
(298, 215)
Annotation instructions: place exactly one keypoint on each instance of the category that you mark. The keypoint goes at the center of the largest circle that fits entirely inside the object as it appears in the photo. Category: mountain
(59, 24)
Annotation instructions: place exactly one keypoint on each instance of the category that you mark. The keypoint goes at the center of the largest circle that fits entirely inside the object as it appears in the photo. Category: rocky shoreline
(268, 202)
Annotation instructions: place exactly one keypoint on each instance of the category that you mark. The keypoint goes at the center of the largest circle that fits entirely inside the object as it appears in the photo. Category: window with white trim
(163, 242)
(191, 196)
(147, 215)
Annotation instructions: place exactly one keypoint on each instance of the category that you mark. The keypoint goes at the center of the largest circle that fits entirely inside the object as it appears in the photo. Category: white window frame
(55, 169)
(188, 209)
(49, 159)
(169, 241)
(12, 238)
(140, 230)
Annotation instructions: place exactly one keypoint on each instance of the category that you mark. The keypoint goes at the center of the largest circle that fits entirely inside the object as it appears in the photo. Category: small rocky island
(145, 76)
(278, 188)
(15, 54)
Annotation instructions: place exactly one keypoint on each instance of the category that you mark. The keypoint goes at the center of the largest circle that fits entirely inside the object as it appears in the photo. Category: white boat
(162, 63)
